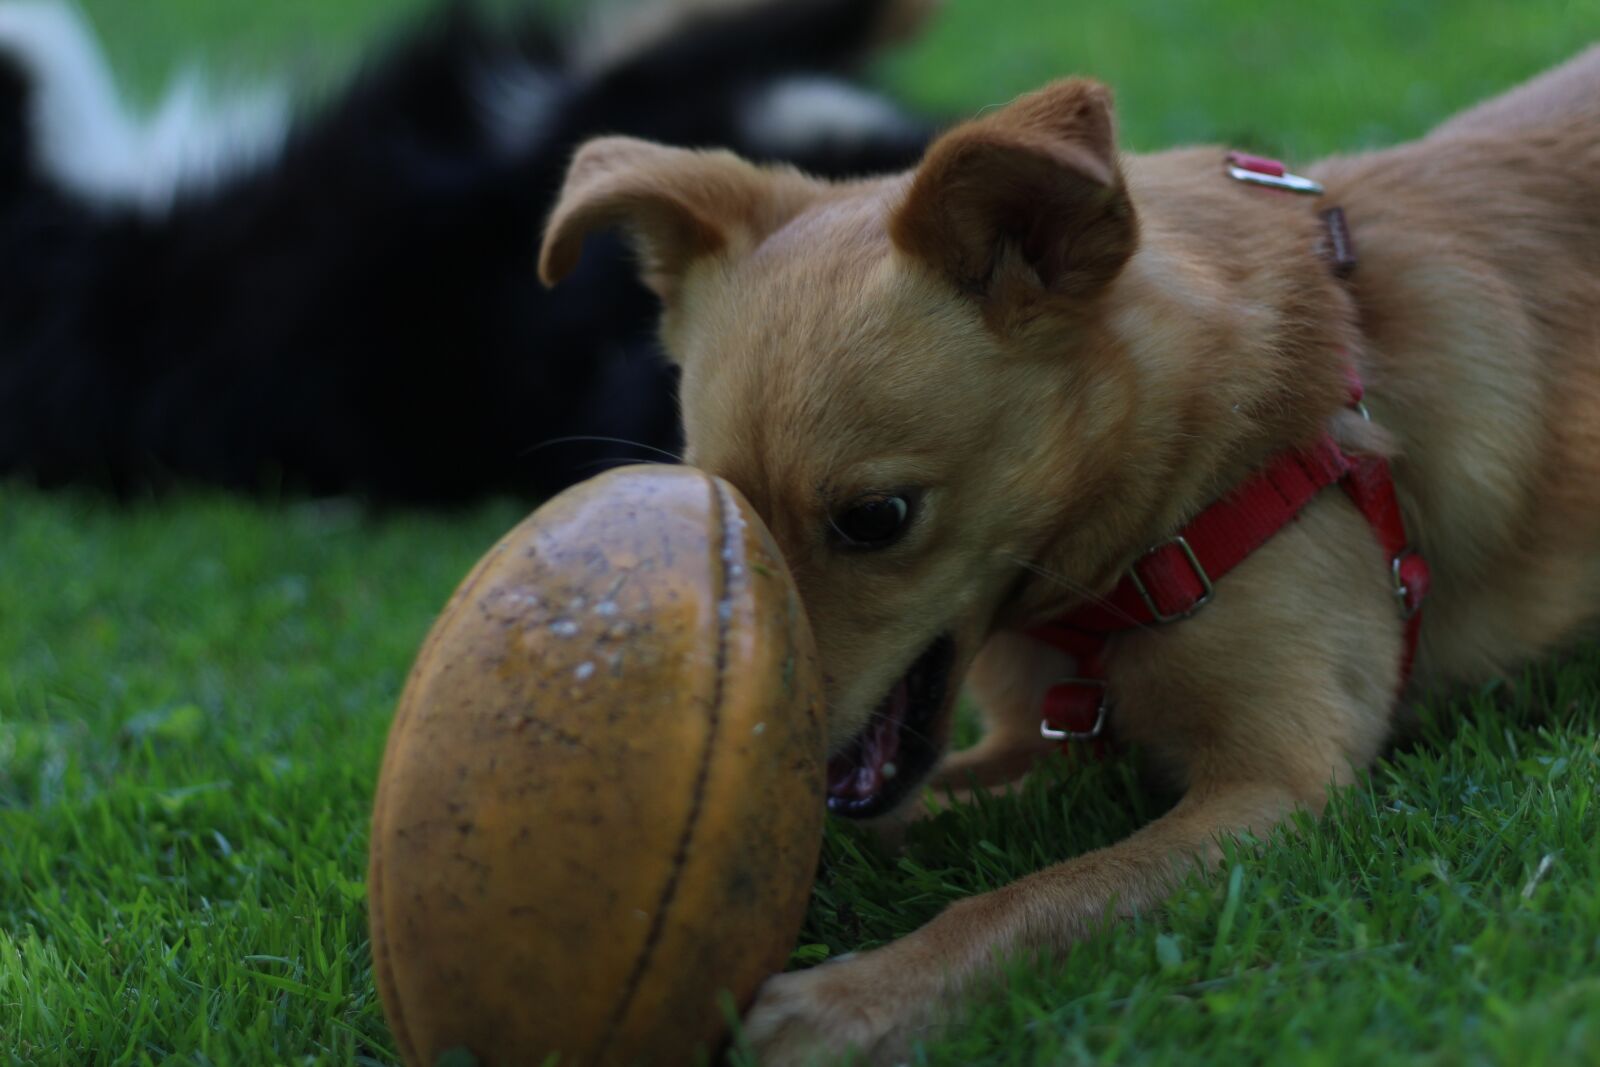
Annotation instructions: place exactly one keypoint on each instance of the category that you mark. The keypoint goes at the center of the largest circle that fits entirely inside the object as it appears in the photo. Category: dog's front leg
(879, 1001)
(1278, 691)
(1008, 678)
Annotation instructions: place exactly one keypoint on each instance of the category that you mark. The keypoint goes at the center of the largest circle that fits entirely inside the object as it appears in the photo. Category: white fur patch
(799, 113)
(85, 137)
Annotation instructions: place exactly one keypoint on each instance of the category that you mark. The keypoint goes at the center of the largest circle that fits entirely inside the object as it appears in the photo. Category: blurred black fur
(362, 314)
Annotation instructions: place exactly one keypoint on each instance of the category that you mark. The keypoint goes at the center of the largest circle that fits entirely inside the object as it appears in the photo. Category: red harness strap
(1174, 580)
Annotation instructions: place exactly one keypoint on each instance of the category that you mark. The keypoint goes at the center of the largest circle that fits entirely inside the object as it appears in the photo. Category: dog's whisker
(595, 438)
(1074, 587)
(903, 726)
(613, 462)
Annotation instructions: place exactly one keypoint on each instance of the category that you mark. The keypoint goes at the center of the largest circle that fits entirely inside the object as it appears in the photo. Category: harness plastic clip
(1259, 170)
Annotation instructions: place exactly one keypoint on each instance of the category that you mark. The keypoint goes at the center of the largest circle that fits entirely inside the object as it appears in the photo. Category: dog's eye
(874, 521)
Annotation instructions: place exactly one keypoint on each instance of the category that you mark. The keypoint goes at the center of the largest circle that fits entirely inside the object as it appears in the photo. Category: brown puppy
(966, 398)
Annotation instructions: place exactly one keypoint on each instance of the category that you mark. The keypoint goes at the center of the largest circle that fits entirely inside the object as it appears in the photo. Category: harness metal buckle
(1402, 592)
(1199, 572)
(1051, 733)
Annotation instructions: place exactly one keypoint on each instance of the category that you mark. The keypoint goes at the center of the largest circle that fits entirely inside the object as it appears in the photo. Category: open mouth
(897, 748)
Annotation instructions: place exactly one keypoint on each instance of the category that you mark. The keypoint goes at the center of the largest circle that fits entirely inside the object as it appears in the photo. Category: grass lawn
(194, 692)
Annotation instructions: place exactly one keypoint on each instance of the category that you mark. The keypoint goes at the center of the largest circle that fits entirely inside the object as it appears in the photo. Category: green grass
(193, 699)
(1446, 912)
(1300, 79)
(194, 692)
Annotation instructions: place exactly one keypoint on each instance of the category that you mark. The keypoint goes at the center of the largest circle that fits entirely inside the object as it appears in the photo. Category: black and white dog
(347, 302)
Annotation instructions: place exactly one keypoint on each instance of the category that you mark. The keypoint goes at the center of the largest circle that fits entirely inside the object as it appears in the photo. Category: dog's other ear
(675, 204)
(1034, 185)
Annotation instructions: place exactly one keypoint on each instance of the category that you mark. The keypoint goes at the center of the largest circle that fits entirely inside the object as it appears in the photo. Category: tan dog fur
(1070, 352)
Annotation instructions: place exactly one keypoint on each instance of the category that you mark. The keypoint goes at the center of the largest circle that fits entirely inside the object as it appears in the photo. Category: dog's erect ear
(1037, 180)
(675, 204)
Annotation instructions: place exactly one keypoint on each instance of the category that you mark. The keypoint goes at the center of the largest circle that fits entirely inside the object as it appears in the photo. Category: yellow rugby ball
(601, 802)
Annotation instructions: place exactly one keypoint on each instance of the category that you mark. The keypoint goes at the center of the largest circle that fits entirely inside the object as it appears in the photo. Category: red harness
(1175, 579)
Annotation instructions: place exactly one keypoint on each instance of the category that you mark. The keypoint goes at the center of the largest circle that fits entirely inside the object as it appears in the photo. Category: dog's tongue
(860, 770)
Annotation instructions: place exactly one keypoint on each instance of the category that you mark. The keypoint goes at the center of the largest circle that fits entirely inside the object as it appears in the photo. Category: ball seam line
(725, 509)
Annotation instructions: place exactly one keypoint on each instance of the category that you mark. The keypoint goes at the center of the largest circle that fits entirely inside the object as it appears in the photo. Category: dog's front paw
(852, 1005)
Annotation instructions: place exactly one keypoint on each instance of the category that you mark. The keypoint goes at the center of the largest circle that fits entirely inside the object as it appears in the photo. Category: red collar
(1174, 580)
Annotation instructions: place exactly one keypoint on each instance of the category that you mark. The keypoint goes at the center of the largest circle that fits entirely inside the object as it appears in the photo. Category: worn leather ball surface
(602, 797)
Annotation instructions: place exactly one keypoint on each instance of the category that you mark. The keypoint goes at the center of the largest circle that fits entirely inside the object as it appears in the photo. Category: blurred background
(1304, 78)
(289, 247)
